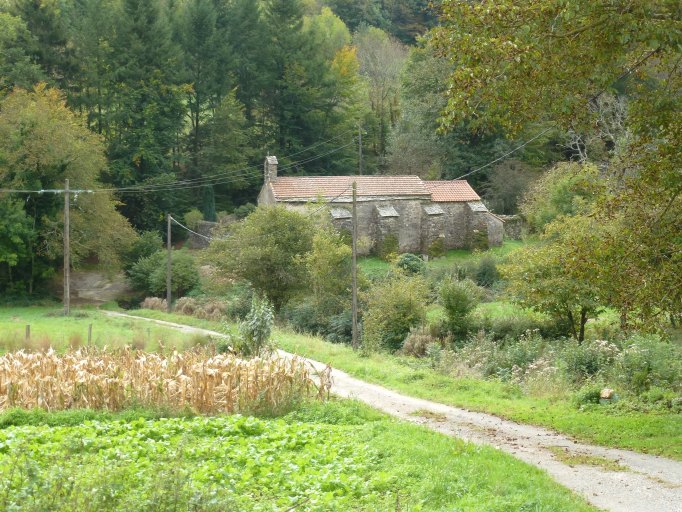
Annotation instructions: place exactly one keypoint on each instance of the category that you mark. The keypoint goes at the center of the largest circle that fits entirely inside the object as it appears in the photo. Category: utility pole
(67, 251)
(360, 149)
(355, 340)
(168, 267)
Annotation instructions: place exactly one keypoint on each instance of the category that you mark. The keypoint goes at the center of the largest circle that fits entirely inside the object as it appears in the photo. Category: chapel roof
(326, 187)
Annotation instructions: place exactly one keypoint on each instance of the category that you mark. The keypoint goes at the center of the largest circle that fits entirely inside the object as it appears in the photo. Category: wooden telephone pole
(168, 267)
(355, 338)
(67, 252)
(360, 149)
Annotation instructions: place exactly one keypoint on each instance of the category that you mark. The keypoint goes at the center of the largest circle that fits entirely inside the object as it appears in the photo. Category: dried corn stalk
(204, 382)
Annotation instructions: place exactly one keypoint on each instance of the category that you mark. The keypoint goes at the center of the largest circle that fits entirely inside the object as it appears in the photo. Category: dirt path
(645, 483)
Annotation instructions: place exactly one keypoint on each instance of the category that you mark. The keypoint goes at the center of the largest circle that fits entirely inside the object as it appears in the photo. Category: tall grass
(195, 379)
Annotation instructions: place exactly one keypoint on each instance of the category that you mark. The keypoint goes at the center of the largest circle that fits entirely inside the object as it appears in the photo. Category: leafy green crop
(336, 456)
(220, 463)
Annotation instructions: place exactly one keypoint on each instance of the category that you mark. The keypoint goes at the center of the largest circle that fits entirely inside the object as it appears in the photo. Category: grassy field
(656, 433)
(48, 327)
(337, 456)
(375, 267)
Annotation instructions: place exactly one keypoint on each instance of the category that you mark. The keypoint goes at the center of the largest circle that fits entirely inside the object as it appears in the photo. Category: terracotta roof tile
(451, 191)
(326, 187)
(287, 187)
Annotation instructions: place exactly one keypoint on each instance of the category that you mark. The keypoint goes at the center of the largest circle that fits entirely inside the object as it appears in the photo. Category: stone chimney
(270, 168)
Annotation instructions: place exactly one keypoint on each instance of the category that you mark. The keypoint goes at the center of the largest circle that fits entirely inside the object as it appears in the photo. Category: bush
(411, 264)
(587, 395)
(648, 361)
(504, 327)
(394, 306)
(436, 249)
(256, 329)
(417, 342)
(479, 240)
(388, 247)
(582, 361)
(340, 328)
(302, 316)
(459, 298)
(492, 359)
(192, 218)
(148, 243)
(486, 272)
(244, 210)
(239, 300)
(148, 275)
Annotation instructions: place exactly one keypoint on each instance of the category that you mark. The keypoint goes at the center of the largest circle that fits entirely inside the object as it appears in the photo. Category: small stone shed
(416, 212)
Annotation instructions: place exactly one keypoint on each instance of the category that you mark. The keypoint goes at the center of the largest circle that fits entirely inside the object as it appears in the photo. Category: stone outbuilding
(414, 212)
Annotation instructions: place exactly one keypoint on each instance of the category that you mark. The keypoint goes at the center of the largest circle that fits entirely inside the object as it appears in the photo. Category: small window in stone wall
(387, 211)
(433, 209)
(340, 213)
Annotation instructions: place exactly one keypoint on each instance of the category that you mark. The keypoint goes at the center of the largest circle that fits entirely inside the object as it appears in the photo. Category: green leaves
(237, 463)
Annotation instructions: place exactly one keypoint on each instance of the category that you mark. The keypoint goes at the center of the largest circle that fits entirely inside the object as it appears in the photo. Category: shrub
(387, 247)
(417, 342)
(587, 395)
(148, 243)
(436, 249)
(492, 359)
(459, 298)
(486, 272)
(302, 316)
(411, 264)
(479, 239)
(340, 329)
(239, 300)
(581, 361)
(394, 306)
(504, 327)
(648, 361)
(148, 275)
(256, 329)
(193, 217)
(244, 210)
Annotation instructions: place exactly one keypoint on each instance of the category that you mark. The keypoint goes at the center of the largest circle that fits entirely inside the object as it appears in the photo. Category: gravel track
(646, 483)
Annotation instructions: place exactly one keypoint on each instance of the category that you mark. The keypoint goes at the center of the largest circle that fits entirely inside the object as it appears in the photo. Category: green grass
(645, 432)
(375, 267)
(50, 328)
(656, 433)
(337, 456)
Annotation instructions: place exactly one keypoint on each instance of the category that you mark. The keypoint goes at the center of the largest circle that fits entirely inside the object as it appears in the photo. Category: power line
(188, 229)
(243, 172)
(521, 146)
(216, 179)
(230, 178)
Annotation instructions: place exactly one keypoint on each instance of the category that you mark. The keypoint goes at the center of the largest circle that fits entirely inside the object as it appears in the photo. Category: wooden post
(67, 249)
(89, 334)
(360, 149)
(28, 334)
(168, 267)
(355, 340)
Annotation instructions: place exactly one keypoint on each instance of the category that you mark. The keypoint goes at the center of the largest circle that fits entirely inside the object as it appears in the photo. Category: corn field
(195, 379)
